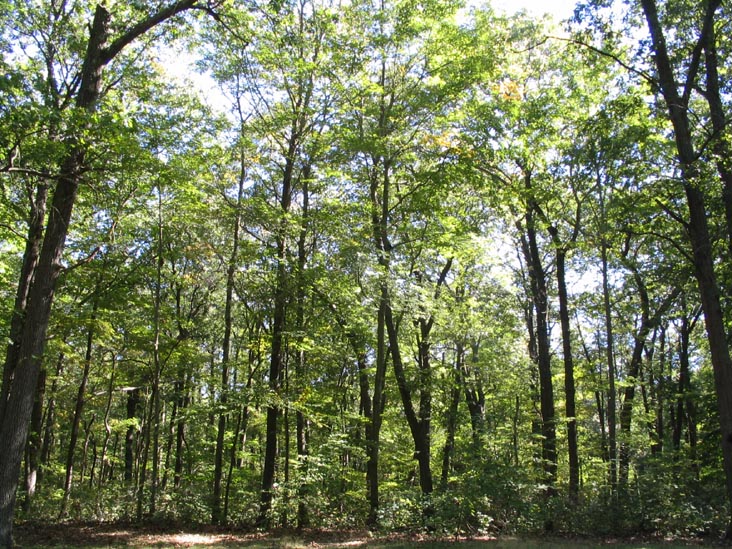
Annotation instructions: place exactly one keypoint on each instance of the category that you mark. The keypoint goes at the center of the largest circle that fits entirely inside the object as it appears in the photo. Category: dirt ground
(37, 535)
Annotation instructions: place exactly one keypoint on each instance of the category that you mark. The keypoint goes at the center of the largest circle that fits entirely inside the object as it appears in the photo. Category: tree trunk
(569, 387)
(78, 410)
(373, 409)
(217, 515)
(452, 411)
(18, 404)
(698, 231)
(540, 302)
(474, 398)
(648, 322)
(278, 348)
(33, 448)
(17, 320)
(133, 401)
(107, 426)
(301, 359)
(610, 414)
(180, 430)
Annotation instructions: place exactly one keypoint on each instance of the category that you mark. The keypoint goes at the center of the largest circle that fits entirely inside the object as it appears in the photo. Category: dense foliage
(411, 266)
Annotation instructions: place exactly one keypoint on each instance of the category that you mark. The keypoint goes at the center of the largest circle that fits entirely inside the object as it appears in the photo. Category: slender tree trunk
(48, 432)
(33, 448)
(242, 423)
(540, 302)
(474, 398)
(107, 426)
(154, 418)
(217, 515)
(720, 120)
(301, 359)
(660, 389)
(569, 387)
(133, 401)
(78, 410)
(610, 414)
(452, 411)
(648, 322)
(373, 411)
(278, 329)
(180, 430)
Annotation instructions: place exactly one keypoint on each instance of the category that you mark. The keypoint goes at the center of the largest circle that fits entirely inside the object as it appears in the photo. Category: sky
(560, 9)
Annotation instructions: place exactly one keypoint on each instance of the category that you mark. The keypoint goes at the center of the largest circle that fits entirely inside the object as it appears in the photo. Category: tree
(22, 370)
(676, 96)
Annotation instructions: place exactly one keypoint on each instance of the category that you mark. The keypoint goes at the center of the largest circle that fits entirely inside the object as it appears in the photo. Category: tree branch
(643, 74)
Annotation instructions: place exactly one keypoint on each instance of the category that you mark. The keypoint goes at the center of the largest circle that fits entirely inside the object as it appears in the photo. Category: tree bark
(17, 320)
(569, 386)
(217, 515)
(698, 228)
(451, 419)
(611, 411)
(19, 400)
(540, 303)
(78, 410)
(34, 446)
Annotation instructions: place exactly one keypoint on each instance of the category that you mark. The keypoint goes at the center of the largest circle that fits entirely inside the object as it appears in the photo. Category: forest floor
(93, 535)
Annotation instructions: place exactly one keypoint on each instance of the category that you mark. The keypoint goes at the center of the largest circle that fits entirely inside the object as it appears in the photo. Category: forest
(407, 265)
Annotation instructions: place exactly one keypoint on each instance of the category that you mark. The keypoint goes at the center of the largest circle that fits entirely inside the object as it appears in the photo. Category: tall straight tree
(281, 85)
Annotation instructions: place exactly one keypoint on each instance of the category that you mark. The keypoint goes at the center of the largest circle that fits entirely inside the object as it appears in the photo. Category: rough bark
(698, 225)
(19, 400)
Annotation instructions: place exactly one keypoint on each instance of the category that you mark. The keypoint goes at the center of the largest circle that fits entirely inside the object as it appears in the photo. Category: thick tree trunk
(17, 320)
(698, 230)
(19, 400)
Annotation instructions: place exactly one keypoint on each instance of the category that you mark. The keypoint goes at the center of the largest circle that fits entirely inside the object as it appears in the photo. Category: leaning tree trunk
(18, 404)
(698, 227)
(28, 266)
